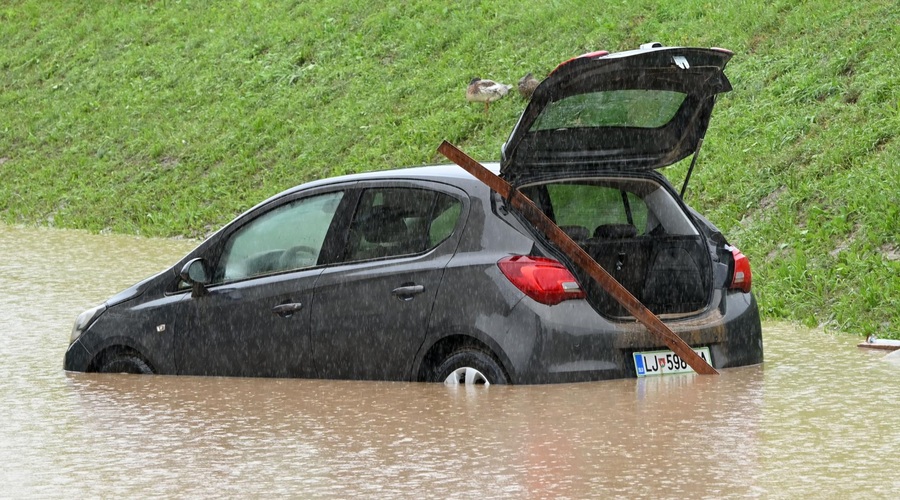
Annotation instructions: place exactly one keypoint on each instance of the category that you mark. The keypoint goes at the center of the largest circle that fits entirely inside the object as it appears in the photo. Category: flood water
(820, 418)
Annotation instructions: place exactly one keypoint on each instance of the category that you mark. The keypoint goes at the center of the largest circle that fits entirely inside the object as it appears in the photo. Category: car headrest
(384, 225)
(615, 231)
(577, 233)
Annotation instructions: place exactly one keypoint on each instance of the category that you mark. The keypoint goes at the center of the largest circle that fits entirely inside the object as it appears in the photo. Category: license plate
(648, 364)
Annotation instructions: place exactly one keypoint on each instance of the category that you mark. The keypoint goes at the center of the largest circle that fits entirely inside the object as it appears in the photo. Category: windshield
(611, 108)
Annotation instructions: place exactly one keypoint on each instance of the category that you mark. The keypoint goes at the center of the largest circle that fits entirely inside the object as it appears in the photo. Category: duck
(486, 91)
(527, 84)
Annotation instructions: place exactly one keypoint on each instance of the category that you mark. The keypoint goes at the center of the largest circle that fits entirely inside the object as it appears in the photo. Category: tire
(469, 366)
(124, 363)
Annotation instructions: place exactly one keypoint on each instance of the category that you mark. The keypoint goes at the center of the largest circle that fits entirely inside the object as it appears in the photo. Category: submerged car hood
(635, 110)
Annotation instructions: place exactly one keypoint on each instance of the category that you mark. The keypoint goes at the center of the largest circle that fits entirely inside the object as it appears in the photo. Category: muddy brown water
(820, 418)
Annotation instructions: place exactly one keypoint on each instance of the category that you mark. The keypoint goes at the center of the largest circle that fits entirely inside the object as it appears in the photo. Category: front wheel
(124, 363)
(470, 366)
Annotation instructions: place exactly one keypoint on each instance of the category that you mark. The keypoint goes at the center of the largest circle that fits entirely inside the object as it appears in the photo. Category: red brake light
(742, 277)
(544, 280)
(597, 53)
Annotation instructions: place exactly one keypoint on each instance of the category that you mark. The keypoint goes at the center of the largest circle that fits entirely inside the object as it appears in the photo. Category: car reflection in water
(684, 435)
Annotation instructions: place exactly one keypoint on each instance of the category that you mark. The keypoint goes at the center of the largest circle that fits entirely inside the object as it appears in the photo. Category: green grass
(170, 117)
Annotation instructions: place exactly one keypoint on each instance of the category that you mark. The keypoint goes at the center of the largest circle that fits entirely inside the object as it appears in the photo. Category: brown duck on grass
(527, 84)
(486, 91)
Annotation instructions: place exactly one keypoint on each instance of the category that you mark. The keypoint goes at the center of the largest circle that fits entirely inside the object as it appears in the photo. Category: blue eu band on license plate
(648, 364)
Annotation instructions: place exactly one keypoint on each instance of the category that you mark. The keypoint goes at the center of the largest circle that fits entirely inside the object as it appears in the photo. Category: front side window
(400, 221)
(285, 238)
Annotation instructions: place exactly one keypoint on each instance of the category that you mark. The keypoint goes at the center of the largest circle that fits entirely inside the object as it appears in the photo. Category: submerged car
(424, 274)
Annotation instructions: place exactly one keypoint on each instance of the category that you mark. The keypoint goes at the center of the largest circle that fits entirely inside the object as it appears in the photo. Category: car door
(372, 309)
(254, 318)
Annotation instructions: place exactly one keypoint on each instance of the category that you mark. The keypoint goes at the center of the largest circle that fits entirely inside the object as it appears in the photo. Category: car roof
(442, 171)
(446, 173)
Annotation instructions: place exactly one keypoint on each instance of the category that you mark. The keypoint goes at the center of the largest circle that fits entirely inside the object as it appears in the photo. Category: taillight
(544, 280)
(742, 277)
(597, 53)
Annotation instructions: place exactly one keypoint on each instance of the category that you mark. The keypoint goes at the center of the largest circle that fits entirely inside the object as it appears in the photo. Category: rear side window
(588, 210)
(391, 222)
(446, 213)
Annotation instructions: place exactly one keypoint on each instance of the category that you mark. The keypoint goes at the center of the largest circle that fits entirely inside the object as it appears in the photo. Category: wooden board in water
(884, 344)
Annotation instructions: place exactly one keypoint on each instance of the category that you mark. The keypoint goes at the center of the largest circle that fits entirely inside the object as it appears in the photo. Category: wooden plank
(882, 344)
(526, 207)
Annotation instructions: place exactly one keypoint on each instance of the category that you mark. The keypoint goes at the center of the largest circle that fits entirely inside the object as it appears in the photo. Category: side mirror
(194, 273)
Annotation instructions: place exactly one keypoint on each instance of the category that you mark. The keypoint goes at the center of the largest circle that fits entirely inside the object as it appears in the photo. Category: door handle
(286, 310)
(407, 292)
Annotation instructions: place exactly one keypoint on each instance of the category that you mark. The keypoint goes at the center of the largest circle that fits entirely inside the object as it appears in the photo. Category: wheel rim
(466, 376)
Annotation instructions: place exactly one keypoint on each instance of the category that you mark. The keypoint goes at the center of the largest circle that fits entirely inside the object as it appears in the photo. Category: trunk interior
(636, 230)
(666, 273)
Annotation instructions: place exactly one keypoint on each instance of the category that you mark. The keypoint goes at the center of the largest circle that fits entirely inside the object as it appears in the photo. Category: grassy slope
(169, 117)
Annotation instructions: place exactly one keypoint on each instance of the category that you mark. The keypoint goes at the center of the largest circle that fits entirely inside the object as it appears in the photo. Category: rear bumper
(743, 344)
(576, 344)
(733, 332)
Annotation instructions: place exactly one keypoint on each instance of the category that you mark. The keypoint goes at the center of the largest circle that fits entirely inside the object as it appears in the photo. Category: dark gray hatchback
(424, 274)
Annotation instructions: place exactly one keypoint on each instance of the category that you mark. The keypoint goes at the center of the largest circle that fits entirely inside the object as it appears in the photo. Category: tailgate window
(611, 108)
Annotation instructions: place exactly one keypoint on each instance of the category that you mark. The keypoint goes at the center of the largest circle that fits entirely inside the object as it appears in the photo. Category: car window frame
(336, 239)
